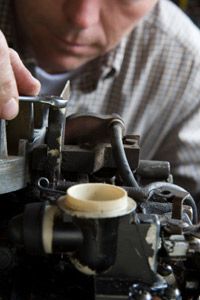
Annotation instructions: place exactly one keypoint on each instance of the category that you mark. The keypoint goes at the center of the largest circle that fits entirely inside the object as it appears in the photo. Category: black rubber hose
(188, 200)
(120, 156)
(137, 194)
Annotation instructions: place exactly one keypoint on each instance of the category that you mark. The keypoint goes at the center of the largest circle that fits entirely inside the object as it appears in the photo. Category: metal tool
(55, 101)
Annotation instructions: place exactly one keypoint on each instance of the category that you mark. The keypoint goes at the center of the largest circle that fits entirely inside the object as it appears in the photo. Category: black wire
(120, 156)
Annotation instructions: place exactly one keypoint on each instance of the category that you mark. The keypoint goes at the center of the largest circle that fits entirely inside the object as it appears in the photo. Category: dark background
(191, 8)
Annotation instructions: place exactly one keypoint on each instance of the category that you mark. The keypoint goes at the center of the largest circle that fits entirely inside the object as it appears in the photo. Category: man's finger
(26, 83)
(8, 87)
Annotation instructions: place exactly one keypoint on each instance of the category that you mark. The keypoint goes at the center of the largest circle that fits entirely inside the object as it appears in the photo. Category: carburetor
(84, 217)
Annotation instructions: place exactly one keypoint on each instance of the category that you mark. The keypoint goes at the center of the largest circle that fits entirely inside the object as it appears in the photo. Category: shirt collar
(100, 69)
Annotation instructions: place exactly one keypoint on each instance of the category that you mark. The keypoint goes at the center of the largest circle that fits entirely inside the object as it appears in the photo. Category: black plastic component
(67, 237)
(32, 227)
(98, 250)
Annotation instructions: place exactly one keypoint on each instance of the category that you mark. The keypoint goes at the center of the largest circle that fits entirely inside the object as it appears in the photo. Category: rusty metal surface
(88, 128)
(85, 159)
(159, 170)
(55, 140)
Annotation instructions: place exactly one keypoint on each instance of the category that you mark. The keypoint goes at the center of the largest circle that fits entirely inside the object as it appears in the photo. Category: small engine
(83, 217)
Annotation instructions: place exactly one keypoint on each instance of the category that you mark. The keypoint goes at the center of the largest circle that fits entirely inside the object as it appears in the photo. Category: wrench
(55, 101)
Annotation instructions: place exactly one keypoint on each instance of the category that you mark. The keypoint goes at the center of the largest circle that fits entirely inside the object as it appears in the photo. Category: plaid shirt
(152, 79)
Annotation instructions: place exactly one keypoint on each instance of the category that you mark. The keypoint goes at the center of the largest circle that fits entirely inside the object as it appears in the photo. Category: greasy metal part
(33, 114)
(177, 208)
(23, 128)
(13, 168)
(89, 160)
(55, 134)
(84, 159)
(55, 140)
(88, 128)
(41, 110)
(55, 101)
(175, 224)
(43, 185)
(86, 152)
(176, 246)
(170, 192)
(152, 169)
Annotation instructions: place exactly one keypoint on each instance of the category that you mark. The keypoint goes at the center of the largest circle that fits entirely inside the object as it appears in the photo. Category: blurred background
(191, 8)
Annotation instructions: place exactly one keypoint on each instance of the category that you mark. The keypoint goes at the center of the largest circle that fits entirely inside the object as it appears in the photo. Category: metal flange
(12, 174)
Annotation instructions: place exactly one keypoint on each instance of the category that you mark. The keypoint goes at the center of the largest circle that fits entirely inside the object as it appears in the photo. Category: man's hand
(15, 79)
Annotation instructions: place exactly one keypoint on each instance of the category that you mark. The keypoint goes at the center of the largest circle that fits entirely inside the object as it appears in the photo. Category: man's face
(65, 34)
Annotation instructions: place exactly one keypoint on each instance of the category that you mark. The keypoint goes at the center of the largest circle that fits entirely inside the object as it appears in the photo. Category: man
(137, 58)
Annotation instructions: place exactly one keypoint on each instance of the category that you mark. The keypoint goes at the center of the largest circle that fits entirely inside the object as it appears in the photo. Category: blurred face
(65, 34)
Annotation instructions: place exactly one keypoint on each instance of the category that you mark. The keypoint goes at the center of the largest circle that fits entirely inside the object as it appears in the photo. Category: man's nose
(82, 14)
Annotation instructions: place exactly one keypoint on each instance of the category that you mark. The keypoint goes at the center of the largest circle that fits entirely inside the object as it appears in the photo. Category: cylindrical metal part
(13, 174)
(153, 169)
